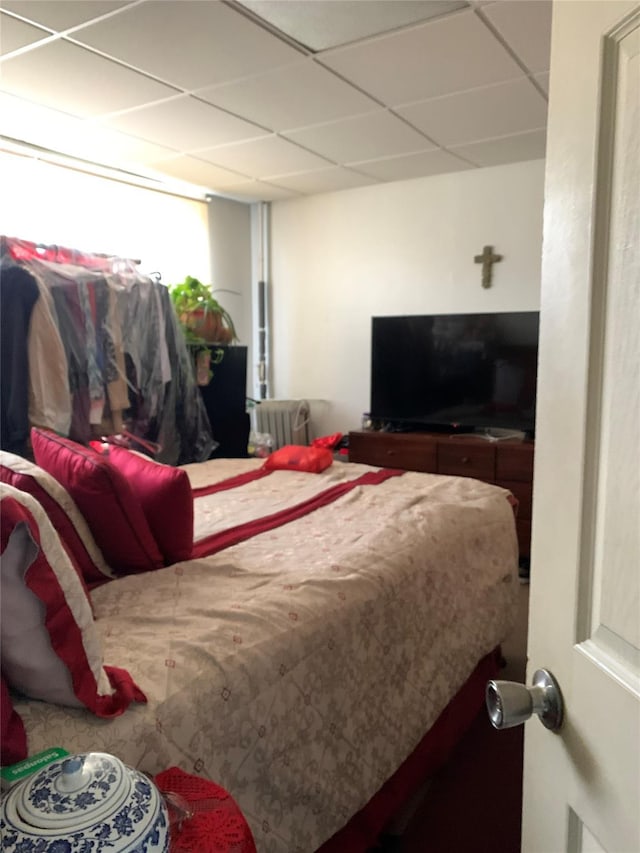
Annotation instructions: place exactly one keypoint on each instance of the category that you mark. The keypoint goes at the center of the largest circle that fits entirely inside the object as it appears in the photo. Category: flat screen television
(455, 371)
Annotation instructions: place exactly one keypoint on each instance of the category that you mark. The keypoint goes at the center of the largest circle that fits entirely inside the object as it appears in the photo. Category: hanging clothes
(102, 353)
(18, 295)
(49, 394)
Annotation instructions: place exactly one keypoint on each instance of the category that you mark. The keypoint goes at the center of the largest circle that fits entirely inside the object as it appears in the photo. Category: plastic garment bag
(122, 350)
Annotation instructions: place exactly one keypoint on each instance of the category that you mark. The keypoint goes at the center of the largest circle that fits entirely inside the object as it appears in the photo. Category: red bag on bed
(297, 457)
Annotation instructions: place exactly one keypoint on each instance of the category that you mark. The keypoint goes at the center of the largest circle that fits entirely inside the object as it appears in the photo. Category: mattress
(300, 666)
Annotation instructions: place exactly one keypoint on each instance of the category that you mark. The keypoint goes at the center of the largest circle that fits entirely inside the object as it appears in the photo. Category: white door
(582, 785)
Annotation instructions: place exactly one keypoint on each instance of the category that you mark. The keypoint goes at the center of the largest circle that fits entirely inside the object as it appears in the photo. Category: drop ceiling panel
(61, 15)
(507, 108)
(290, 97)
(187, 42)
(196, 171)
(15, 34)
(454, 53)
(543, 81)
(364, 137)
(207, 92)
(417, 165)
(252, 190)
(75, 80)
(186, 124)
(526, 26)
(508, 149)
(264, 158)
(20, 119)
(325, 180)
(324, 23)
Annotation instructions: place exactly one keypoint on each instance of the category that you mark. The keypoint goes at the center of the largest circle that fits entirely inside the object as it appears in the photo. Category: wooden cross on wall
(487, 259)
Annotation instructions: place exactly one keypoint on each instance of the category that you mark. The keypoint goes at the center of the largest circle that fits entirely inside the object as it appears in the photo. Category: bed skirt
(362, 831)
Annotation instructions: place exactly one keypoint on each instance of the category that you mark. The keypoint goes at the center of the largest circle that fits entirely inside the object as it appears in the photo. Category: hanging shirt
(18, 294)
(49, 393)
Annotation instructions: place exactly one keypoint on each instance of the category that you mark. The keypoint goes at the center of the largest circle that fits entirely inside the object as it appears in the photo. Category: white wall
(408, 247)
(230, 252)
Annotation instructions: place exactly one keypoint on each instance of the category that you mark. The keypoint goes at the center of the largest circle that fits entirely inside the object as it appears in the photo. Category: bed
(323, 625)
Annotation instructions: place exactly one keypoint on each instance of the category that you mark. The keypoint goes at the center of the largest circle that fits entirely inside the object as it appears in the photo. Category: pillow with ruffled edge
(105, 499)
(298, 457)
(62, 512)
(165, 496)
(49, 647)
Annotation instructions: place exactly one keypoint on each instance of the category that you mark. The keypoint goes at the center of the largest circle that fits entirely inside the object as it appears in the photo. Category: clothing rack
(92, 347)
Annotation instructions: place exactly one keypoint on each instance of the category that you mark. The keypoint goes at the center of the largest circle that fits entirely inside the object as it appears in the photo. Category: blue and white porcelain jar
(85, 804)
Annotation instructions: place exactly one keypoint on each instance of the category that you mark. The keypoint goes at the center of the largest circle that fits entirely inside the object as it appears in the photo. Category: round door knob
(510, 704)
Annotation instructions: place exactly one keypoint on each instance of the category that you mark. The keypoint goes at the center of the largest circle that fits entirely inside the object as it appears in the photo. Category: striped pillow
(49, 647)
(105, 499)
(63, 514)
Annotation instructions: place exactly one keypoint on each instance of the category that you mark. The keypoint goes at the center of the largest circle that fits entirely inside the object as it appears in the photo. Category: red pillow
(295, 457)
(62, 511)
(165, 496)
(104, 497)
(50, 647)
(13, 739)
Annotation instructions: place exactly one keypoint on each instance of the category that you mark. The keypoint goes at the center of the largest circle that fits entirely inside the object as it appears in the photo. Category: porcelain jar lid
(86, 800)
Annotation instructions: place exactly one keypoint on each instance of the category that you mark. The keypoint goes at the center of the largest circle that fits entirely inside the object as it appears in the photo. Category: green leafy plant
(202, 317)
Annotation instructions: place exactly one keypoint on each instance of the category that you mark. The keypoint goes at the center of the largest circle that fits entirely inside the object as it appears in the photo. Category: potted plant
(202, 317)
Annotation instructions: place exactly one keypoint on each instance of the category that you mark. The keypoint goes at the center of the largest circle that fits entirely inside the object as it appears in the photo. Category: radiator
(287, 421)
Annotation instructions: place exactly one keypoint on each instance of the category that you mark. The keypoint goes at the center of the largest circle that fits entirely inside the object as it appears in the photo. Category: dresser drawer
(393, 450)
(467, 460)
(515, 462)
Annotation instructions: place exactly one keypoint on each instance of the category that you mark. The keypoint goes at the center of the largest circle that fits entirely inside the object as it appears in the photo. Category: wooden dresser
(507, 463)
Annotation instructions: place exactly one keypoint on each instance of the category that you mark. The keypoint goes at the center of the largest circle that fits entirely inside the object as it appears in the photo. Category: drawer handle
(391, 453)
(464, 460)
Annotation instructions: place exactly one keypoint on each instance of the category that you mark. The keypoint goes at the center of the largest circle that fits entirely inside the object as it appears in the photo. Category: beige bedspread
(299, 668)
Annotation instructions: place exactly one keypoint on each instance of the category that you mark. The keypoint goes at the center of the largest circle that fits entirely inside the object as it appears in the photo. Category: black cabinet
(225, 400)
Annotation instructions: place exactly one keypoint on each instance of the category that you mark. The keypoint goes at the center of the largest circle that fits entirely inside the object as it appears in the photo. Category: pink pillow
(165, 496)
(49, 647)
(297, 457)
(105, 499)
(62, 511)
(13, 739)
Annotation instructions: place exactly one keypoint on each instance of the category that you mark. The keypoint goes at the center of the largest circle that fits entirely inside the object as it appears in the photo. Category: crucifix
(487, 259)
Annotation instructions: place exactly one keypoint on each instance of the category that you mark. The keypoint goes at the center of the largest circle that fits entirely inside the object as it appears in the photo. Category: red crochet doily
(217, 824)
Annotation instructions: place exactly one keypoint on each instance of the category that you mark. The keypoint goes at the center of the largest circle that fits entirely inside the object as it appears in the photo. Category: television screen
(453, 371)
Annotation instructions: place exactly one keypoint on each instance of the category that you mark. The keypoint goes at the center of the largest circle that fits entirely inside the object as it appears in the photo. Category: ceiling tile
(15, 34)
(117, 149)
(454, 53)
(325, 180)
(197, 172)
(543, 81)
(77, 81)
(526, 27)
(62, 14)
(185, 123)
(290, 97)
(188, 43)
(264, 158)
(507, 149)
(325, 23)
(60, 132)
(485, 113)
(419, 165)
(364, 137)
(251, 191)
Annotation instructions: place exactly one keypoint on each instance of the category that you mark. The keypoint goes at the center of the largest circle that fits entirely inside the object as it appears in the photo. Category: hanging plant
(202, 317)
